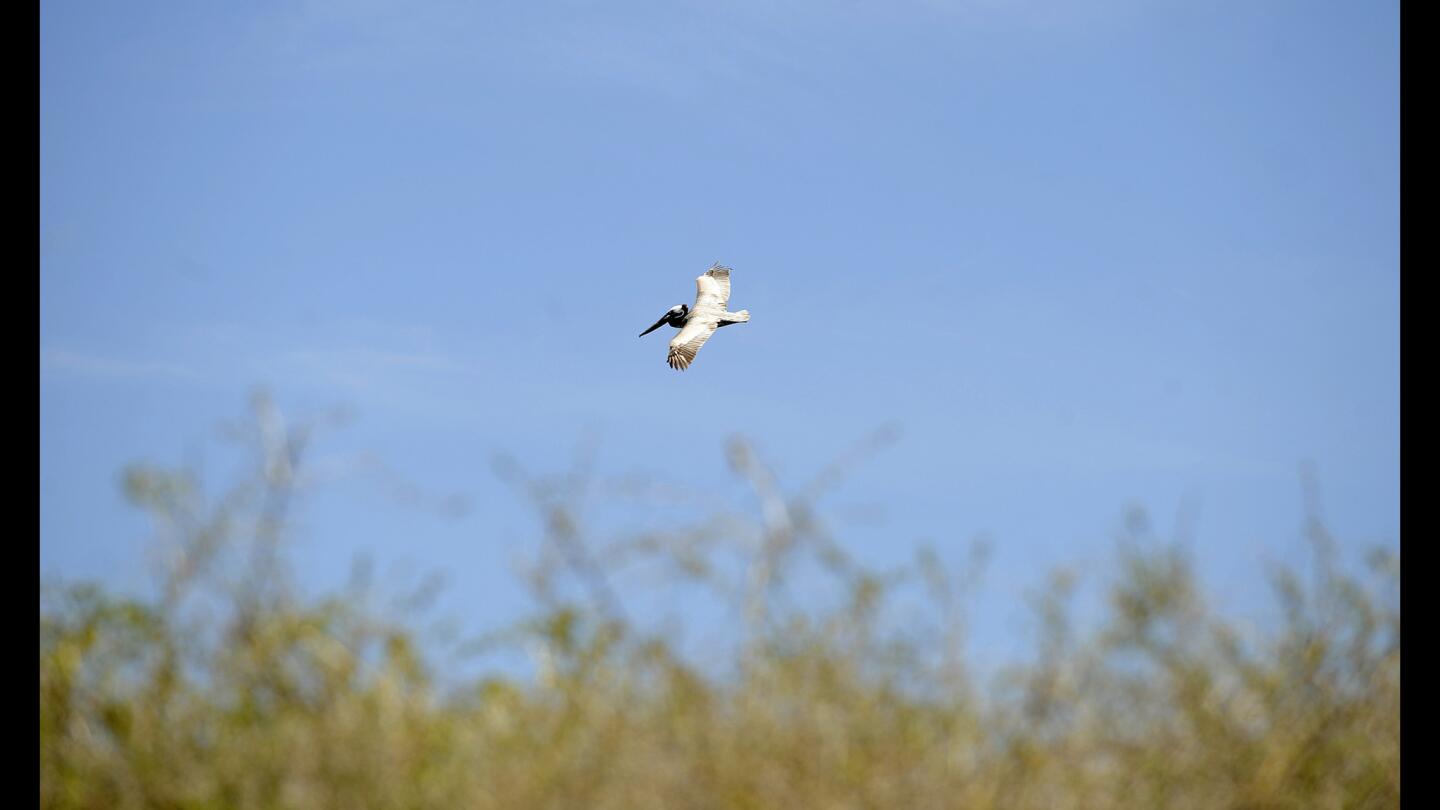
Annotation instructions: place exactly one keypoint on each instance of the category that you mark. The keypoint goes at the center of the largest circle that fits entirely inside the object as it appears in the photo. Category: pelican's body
(698, 323)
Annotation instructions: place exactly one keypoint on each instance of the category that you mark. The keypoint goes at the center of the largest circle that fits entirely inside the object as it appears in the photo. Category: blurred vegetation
(227, 690)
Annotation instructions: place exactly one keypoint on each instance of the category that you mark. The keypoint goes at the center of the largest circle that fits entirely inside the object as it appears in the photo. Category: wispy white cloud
(410, 369)
(66, 362)
(369, 368)
(365, 35)
(673, 48)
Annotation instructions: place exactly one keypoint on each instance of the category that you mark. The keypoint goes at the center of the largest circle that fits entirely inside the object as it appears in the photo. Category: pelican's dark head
(675, 316)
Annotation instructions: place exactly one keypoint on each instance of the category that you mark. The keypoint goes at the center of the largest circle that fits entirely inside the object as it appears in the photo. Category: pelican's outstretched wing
(684, 346)
(713, 288)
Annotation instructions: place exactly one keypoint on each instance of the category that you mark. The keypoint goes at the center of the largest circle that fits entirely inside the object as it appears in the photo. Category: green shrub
(230, 692)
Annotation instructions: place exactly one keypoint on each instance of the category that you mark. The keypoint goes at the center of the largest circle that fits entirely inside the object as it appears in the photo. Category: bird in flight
(698, 323)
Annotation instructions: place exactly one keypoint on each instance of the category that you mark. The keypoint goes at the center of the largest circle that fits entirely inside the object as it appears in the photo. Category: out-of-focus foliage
(227, 691)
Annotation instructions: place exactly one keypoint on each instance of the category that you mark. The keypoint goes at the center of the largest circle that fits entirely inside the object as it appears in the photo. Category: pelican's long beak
(658, 324)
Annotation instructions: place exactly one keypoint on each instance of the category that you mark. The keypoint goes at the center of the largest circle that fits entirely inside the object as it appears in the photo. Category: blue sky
(1085, 255)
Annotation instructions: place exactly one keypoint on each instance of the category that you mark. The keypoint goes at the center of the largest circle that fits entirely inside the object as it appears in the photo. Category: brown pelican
(698, 323)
